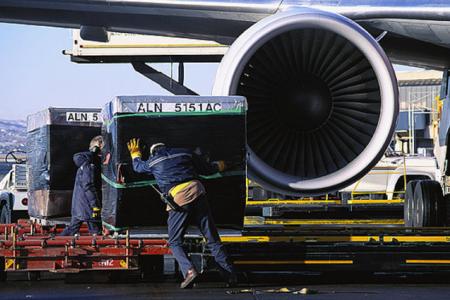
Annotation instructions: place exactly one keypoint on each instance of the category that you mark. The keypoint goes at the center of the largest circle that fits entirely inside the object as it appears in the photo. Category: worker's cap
(96, 143)
(154, 146)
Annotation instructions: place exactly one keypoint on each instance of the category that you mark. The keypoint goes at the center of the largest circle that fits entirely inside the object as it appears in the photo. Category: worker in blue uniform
(176, 171)
(86, 198)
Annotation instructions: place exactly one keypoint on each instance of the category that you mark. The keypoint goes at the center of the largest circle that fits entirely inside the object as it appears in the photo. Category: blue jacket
(87, 188)
(172, 166)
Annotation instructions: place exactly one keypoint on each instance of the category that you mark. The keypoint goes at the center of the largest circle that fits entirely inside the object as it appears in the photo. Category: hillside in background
(12, 135)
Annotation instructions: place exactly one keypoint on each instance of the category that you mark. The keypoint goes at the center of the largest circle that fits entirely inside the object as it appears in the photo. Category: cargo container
(54, 135)
(214, 127)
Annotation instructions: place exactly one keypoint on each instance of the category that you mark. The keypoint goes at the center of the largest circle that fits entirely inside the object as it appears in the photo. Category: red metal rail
(26, 246)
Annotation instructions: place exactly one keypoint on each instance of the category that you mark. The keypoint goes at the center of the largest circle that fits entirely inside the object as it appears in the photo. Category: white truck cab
(13, 194)
(388, 179)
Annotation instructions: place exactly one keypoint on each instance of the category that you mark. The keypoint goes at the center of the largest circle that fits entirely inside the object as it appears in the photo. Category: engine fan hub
(305, 103)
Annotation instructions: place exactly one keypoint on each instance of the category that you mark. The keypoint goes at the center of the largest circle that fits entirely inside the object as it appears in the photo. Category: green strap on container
(112, 228)
(234, 111)
(144, 183)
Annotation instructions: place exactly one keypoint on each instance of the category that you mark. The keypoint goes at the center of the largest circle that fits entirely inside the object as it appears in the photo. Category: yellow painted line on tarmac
(306, 239)
(416, 239)
(293, 262)
(397, 201)
(328, 222)
(428, 261)
(292, 202)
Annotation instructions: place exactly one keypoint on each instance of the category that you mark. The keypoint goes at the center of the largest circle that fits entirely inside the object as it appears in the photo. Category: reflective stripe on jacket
(172, 166)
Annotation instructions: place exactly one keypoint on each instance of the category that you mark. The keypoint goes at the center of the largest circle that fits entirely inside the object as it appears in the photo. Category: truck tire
(3, 275)
(447, 209)
(408, 205)
(5, 207)
(429, 206)
(5, 216)
(34, 276)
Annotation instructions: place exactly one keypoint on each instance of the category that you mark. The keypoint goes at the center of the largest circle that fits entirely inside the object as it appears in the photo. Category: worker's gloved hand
(133, 147)
(221, 165)
(96, 212)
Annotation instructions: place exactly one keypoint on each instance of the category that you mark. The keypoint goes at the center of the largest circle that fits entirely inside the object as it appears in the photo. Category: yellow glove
(221, 166)
(133, 147)
(95, 212)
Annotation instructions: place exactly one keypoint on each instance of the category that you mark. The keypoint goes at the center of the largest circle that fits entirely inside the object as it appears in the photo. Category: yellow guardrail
(291, 222)
(294, 262)
(354, 199)
(417, 239)
(355, 192)
(305, 239)
(292, 202)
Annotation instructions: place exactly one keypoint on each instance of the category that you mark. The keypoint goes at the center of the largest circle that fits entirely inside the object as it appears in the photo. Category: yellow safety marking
(310, 239)
(293, 262)
(384, 173)
(325, 222)
(378, 193)
(253, 220)
(9, 263)
(428, 261)
(153, 46)
(417, 239)
(397, 201)
(383, 168)
(291, 202)
(123, 264)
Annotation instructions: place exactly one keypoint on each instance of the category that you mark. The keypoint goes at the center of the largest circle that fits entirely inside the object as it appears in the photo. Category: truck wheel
(447, 209)
(4, 214)
(429, 206)
(33, 275)
(2, 270)
(408, 205)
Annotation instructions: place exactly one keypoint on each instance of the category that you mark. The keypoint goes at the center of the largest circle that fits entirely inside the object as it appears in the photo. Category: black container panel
(220, 137)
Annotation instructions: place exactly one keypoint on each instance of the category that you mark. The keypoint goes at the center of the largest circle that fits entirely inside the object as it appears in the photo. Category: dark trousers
(198, 213)
(75, 224)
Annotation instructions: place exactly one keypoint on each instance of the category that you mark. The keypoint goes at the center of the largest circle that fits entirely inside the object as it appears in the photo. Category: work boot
(188, 282)
(232, 280)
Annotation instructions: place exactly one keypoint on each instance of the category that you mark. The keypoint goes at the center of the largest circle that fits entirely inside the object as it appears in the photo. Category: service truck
(13, 192)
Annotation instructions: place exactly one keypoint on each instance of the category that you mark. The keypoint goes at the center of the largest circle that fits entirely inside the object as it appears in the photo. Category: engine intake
(322, 99)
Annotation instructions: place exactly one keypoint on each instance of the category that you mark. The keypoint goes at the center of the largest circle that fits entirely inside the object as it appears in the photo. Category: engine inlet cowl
(322, 100)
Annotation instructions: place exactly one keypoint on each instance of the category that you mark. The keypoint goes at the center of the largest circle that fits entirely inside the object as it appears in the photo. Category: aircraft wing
(414, 25)
(217, 20)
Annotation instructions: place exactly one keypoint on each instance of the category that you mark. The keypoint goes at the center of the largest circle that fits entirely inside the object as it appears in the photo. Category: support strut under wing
(163, 80)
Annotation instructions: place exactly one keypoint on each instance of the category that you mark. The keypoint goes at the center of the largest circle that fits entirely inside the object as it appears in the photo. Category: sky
(34, 74)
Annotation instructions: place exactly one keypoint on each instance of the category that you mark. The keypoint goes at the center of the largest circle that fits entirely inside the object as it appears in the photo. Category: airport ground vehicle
(13, 192)
(27, 247)
(377, 198)
(336, 245)
(30, 247)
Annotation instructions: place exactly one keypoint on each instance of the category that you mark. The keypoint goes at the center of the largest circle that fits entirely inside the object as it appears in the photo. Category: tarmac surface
(422, 286)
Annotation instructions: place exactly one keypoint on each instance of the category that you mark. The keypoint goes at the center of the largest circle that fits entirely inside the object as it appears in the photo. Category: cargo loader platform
(27, 247)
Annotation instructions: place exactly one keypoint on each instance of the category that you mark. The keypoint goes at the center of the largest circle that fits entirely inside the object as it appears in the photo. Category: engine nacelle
(322, 97)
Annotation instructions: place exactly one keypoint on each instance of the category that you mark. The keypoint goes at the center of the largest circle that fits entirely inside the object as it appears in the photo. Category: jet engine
(322, 100)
